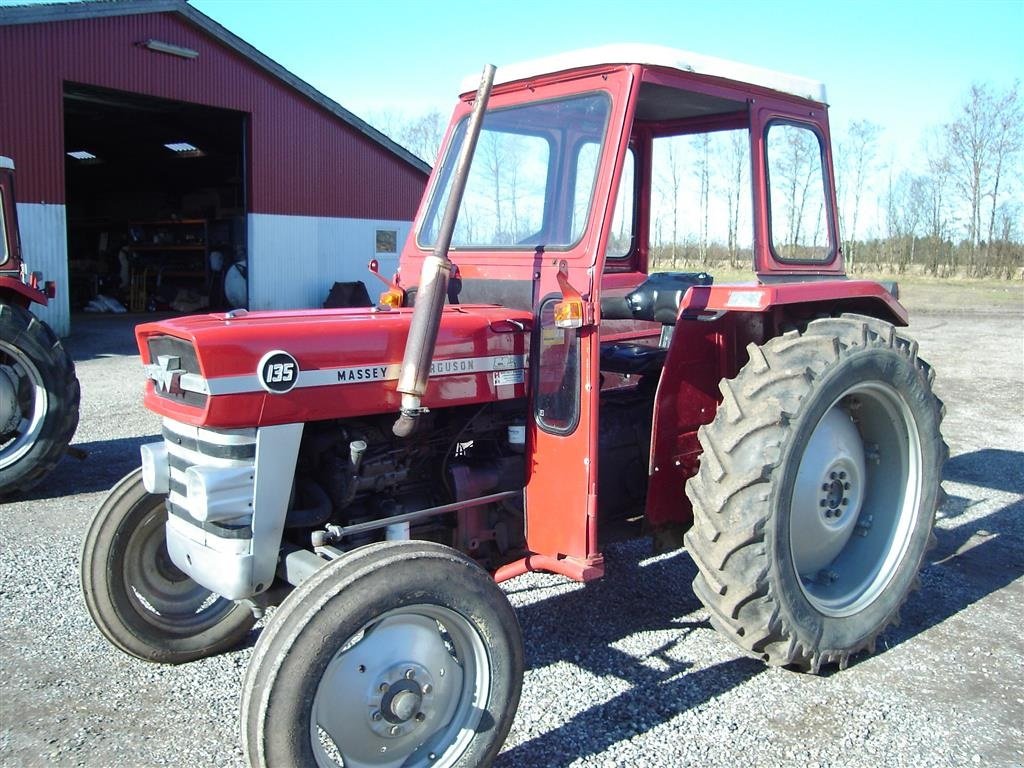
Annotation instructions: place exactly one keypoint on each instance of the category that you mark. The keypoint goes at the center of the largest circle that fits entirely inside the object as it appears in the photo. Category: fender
(863, 296)
(16, 292)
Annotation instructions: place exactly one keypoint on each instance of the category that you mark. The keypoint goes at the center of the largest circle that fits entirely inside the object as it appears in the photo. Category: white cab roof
(658, 56)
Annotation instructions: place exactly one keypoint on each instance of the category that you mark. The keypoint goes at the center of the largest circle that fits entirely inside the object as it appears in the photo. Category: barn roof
(38, 14)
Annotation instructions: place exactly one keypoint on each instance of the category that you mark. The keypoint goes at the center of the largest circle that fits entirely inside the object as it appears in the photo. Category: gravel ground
(626, 671)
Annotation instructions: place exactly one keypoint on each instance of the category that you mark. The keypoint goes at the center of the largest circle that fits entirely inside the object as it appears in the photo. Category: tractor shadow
(585, 628)
(105, 462)
(972, 559)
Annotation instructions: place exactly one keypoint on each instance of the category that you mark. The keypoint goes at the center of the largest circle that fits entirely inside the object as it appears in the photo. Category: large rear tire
(140, 600)
(817, 491)
(39, 398)
(399, 653)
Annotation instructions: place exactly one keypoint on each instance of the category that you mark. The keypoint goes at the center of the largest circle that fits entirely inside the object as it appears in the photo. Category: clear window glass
(799, 219)
(517, 193)
(620, 239)
(557, 390)
(700, 200)
(3, 229)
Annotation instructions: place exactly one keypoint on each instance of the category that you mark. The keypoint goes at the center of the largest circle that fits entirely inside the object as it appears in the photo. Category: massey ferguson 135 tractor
(38, 390)
(525, 392)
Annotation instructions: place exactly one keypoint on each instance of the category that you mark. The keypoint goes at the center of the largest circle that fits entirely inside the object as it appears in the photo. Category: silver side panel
(230, 551)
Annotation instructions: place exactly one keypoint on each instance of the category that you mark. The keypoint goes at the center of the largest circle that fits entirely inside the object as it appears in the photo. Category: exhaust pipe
(433, 287)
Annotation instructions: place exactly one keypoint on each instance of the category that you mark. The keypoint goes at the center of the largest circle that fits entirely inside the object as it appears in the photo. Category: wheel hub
(854, 499)
(401, 700)
(10, 413)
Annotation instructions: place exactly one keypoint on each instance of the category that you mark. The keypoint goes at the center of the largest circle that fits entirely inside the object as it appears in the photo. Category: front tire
(817, 491)
(39, 397)
(141, 602)
(399, 653)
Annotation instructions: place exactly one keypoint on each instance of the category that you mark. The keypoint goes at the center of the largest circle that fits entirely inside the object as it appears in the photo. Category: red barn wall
(303, 159)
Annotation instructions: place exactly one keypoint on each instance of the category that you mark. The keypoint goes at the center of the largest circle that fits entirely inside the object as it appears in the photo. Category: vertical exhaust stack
(433, 287)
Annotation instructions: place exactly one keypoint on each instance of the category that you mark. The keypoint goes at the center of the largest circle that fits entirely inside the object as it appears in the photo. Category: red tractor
(523, 394)
(39, 393)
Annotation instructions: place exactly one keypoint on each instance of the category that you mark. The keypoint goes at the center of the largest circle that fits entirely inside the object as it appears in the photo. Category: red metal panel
(303, 159)
(325, 340)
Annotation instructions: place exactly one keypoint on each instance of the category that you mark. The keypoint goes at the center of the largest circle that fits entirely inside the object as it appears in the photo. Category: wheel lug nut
(833, 476)
(846, 486)
(420, 717)
(825, 486)
(427, 688)
(845, 501)
(383, 687)
(376, 717)
(394, 730)
(823, 503)
(842, 475)
(410, 674)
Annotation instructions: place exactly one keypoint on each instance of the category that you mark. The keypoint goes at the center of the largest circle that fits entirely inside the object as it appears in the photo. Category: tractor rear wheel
(398, 653)
(39, 397)
(140, 600)
(817, 491)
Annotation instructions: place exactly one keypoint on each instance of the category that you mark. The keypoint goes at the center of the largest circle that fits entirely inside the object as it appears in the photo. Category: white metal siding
(294, 260)
(45, 249)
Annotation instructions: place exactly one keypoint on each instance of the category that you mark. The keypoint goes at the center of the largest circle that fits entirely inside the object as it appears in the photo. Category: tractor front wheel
(817, 491)
(140, 600)
(399, 653)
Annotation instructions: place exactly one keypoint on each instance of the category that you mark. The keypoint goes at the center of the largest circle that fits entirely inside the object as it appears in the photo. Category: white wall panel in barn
(294, 260)
(44, 246)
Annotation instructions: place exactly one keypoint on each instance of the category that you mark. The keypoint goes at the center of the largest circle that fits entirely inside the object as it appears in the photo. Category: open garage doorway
(156, 203)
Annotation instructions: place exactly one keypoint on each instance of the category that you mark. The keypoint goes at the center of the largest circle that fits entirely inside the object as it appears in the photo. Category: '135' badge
(278, 372)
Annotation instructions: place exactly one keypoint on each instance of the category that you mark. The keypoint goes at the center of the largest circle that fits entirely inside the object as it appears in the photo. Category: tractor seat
(656, 299)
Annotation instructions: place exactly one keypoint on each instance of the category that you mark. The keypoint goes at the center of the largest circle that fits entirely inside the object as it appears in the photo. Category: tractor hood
(248, 369)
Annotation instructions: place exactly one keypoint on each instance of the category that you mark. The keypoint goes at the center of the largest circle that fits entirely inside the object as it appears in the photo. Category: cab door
(561, 490)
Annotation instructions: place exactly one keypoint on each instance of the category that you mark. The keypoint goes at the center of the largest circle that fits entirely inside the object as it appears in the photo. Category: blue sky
(904, 65)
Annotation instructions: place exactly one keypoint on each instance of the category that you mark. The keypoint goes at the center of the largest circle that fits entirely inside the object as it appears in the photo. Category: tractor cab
(596, 176)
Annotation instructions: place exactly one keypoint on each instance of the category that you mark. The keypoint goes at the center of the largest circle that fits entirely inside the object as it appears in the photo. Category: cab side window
(799, 219)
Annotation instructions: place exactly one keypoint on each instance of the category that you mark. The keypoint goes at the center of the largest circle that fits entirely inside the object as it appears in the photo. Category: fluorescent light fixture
(82, 154)
(184, 149)
(173, 50)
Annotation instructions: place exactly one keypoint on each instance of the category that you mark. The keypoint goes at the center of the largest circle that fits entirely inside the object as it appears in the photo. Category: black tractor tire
(817, 490)
(141, 602)
(41, 400)
(353, 664)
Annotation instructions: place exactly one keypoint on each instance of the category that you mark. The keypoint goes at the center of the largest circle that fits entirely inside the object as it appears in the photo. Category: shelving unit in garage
(172, 249)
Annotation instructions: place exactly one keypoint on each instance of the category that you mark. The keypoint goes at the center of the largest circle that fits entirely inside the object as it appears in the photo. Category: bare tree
(420, 134)
(734, 164)
(670, 181)
(702, 171)
(858, 152)
(981, 145)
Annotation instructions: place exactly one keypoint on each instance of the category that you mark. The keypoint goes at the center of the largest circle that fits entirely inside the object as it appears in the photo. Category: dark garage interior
(156, 202)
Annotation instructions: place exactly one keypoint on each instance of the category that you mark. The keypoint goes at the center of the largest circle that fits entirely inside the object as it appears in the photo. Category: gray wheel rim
(855, 500)
(408, 689)
(23, 404)
(159, 591)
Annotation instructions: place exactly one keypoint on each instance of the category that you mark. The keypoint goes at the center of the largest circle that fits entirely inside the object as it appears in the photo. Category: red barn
(165, 162)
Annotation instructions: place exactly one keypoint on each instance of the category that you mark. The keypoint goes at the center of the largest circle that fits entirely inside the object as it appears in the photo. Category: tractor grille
(189, 446)
(184, 360)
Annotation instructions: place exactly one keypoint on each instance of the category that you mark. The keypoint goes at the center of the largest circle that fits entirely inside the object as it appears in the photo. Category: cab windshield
(532, 177)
